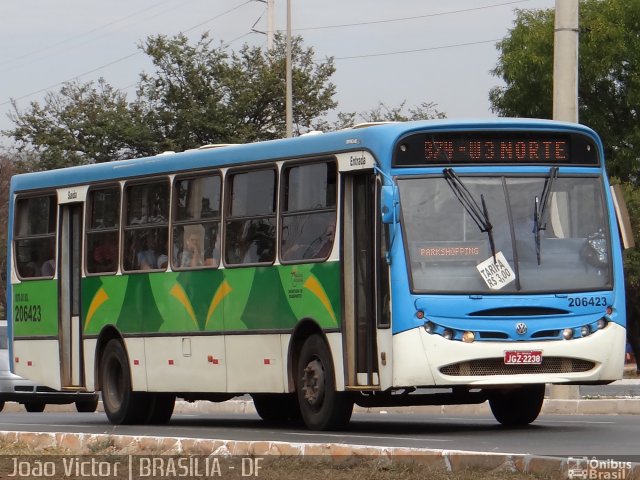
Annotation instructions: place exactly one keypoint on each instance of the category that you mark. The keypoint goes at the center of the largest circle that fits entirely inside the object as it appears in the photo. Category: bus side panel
(36, 351)
(38, 360)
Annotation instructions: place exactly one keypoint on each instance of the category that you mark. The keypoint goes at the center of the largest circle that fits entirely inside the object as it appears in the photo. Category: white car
(35, 398)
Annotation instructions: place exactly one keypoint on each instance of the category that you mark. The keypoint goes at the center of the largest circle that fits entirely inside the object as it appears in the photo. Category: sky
(385, 51)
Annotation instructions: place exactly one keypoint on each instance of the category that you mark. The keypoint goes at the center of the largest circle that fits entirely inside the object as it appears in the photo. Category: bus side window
(250, 234)
(102, 231)
(35, 236)
(196, 222)
(146, 227)
(308, 212)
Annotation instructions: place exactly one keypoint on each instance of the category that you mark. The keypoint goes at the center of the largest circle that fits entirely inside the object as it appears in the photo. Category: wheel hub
(313, 382)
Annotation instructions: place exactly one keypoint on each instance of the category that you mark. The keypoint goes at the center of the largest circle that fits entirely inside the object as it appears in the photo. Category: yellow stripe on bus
(178, 292)
(223, 290)
(98, 299)
(312, 284)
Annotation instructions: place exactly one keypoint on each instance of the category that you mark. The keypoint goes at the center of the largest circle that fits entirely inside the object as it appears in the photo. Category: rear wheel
(162, 405)
(87, 406)
(517, 407)
(277, 407)
(121, 404)
(321, 407)
(34, 407)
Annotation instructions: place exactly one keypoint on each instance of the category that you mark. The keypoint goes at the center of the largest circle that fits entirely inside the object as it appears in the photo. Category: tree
(383, 113)
(609, 75)
(83, 123)
(200, 94)
(6, 172)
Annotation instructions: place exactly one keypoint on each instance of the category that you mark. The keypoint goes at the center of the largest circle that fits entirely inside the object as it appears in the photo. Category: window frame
(91, 231)
(282, 214)
(227, 217)
(126, 228)
(52, 195)
(206, 221)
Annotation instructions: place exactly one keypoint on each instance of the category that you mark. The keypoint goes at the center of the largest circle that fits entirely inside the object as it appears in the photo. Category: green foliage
(83, 123)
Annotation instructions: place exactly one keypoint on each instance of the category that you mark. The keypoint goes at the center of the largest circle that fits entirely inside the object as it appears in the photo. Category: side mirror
(389, 204)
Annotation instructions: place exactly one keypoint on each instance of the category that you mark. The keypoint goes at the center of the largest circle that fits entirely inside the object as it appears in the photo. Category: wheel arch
(107, 334)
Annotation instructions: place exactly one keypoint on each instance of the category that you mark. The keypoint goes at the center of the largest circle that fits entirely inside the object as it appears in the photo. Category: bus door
(361, 280)
(69, 277)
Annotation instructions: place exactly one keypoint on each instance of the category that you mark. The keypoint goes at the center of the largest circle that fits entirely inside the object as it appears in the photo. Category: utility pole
(565, 61)
(289, 80)
(270, 24)
(565, 102)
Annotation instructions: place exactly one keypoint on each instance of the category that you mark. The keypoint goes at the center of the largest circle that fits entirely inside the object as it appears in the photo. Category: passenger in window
(321, 247)
(48, 268)
(105, 255)
(212, 255)
(192, 255)
(32, 268)
(146, 257)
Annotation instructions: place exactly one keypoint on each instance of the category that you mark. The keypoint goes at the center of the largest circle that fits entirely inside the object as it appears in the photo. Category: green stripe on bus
(35, 308)
(241, 299)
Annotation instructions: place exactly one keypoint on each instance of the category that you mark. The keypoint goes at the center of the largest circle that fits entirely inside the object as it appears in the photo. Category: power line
(400, 52)
(42, 90)
(417, 17)
(81, 35)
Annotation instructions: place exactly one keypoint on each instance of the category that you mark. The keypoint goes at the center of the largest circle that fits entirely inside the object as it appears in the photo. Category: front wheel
(321, 407)
(276, 407)
(121, 404)
(87, 406)
(517, 407)
(34, 407)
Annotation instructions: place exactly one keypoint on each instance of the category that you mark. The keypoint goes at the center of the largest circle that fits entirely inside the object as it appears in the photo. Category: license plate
(523, 357)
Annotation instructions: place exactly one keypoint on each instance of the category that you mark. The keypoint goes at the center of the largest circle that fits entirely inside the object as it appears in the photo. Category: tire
(1, 405)
(162, 405)
(34, 407)
(517, 407)
(122, 405)
(87, 406)
(321, 407)
(277, 407)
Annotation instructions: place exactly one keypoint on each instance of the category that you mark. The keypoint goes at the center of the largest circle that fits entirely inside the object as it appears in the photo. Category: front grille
(496, 366)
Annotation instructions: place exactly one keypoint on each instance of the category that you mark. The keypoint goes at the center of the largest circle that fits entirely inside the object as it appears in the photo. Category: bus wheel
(276, 407)
(87, 406)
(518, 406)
(121, 404)
(321, 407)
(162, 405)
(34, 407)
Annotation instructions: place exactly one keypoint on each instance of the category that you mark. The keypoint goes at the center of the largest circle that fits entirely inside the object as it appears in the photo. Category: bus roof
(378, 139)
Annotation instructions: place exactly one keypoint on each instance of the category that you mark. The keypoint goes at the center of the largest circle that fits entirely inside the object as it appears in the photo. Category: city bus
(420, 263)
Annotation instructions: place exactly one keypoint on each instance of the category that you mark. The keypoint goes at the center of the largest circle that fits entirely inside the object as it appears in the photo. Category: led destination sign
(443, 148)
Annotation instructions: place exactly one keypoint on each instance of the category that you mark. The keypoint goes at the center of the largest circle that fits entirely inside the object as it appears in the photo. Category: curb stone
(448, 460)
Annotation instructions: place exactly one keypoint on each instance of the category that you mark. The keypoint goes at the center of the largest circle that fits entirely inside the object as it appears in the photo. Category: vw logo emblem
(521, 328)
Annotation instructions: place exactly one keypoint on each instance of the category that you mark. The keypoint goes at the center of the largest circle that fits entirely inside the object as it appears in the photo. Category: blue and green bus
(434, 262)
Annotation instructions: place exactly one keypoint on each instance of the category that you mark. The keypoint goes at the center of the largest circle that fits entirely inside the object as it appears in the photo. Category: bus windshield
(550, 234)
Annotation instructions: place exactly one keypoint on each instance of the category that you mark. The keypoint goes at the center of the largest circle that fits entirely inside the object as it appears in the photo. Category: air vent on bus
(496, 366)
(518, 312)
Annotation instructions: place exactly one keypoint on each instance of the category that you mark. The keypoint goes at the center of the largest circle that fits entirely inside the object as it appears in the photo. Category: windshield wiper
(480, 215)
(540, 207)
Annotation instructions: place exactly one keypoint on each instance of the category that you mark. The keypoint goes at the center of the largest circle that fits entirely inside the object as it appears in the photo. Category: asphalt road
(554, 435)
